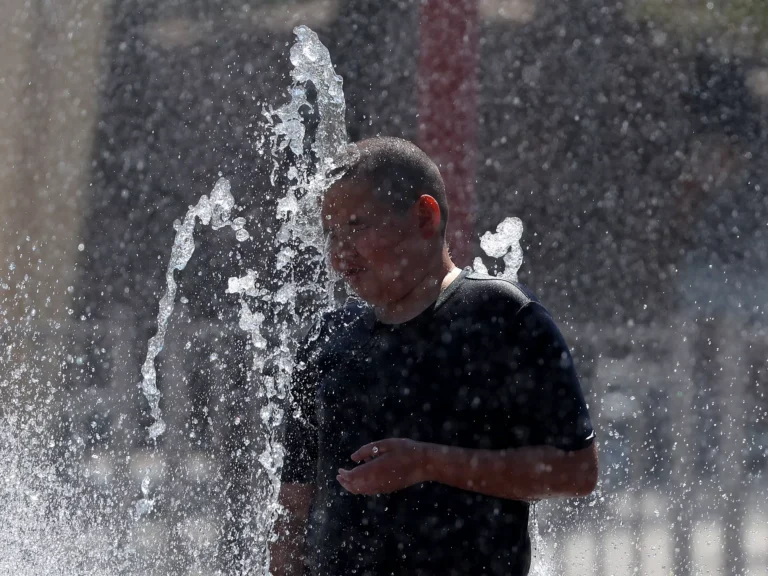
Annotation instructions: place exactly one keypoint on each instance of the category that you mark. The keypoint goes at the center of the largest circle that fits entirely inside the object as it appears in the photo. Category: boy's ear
(428, 216)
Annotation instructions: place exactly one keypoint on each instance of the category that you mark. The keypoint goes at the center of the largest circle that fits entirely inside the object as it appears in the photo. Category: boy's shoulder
(494, 292)
(494, 305)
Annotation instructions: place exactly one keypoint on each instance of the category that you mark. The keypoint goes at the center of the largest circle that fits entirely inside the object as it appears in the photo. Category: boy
(428, 419)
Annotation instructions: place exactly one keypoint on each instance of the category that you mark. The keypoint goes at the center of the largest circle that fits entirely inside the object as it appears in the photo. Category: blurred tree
(739, 26)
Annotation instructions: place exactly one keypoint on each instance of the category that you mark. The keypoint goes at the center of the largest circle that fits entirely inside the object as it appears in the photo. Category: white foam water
(505, 244)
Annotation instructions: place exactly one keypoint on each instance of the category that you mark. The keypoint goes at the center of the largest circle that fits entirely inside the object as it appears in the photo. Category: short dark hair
(398, 172)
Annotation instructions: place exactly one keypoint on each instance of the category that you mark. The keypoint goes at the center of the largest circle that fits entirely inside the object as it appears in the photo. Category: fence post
(683, 419)
(731, 395)
(449, 35)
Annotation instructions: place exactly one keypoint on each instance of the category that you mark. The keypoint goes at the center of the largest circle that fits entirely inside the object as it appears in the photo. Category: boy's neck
(424, 294)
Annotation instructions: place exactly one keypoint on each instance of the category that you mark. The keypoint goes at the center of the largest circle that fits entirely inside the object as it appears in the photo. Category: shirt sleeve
(543, 386)
(300, 440)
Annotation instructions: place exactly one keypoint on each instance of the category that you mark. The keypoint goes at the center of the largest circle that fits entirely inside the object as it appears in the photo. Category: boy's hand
(388, 465)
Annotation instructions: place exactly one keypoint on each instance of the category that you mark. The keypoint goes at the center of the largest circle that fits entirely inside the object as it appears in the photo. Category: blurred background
(629, 137)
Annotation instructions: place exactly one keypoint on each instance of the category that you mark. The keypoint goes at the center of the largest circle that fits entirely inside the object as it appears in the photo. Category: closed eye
(343, 231)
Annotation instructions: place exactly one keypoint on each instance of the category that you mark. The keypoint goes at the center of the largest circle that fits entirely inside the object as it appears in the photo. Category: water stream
(316, 92)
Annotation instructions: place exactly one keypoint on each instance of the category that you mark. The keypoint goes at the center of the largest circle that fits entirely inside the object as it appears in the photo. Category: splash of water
(504, 243)
(312, 66)
(216, 212)
(315, 87)
(541, 563)
(318, 88)
(45, 528)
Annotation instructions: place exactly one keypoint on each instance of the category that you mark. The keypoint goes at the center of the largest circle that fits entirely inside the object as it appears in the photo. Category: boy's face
(379, 252)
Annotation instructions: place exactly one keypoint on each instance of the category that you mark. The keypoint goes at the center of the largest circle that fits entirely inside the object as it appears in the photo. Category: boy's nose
(342, 246)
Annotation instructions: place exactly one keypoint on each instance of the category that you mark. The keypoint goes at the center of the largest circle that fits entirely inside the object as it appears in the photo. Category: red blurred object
(447, 87)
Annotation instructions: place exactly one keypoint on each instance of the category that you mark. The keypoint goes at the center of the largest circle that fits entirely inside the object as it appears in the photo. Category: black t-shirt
(484, 367)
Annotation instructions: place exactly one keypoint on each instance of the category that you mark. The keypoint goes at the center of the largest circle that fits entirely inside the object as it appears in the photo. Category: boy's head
(385, 219)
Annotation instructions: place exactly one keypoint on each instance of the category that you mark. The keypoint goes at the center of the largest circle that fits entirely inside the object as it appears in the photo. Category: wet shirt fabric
(485, 367)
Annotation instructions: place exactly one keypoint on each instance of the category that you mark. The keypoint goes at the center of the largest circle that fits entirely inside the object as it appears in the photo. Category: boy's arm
(287, 552)
(530, 473)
